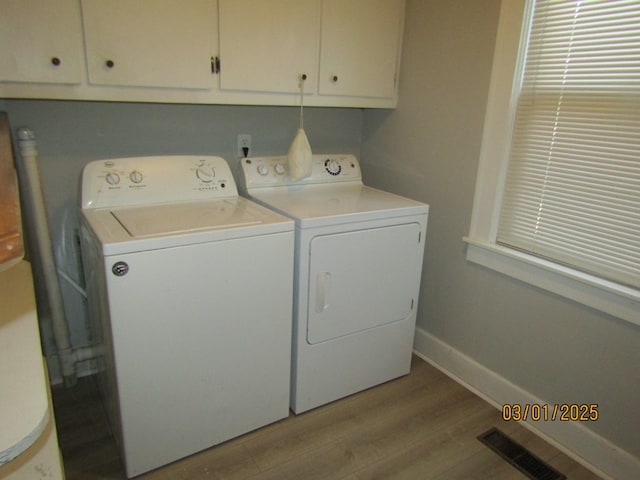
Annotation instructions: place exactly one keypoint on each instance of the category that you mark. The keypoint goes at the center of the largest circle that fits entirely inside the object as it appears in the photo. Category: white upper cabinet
(267, 45)
(151, 43)
(40, 41)
(237, 52)
(360, 47)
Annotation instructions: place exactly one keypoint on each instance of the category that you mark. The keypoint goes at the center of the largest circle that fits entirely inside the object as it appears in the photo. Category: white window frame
(612, 298)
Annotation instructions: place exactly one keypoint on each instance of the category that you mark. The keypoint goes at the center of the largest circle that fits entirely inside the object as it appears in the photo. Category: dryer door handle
(322, 291)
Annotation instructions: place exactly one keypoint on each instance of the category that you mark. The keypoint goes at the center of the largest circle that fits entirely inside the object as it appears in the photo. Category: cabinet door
(40, 41)
(360, 47)
(266, 45)
(152, 43)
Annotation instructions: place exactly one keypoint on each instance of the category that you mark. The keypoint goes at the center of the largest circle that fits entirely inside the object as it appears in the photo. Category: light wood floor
(422, 426)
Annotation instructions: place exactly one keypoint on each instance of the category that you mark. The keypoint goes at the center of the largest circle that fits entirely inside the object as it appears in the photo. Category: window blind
(572, 186)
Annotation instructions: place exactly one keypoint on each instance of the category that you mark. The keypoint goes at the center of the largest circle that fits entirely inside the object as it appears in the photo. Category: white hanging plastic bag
(299, 157)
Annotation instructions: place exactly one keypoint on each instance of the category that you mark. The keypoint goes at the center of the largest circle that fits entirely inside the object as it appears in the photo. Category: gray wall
(70, 134)
(428, 148)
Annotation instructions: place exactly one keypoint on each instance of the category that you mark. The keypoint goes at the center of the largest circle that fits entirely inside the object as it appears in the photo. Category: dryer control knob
(112, 178)
(279, 168)
(263, 170)
(135, 176)
(332, 166)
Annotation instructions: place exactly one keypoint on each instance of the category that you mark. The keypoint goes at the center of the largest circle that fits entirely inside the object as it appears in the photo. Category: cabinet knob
(109, 63)
(334, 79)
(303, 76)
(55, 61)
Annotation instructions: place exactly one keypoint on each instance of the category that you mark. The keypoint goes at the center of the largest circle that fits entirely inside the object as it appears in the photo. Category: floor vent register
(518, 456)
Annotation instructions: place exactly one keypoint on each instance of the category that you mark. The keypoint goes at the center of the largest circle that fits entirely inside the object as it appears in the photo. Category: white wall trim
(572, 438)
(608, 297)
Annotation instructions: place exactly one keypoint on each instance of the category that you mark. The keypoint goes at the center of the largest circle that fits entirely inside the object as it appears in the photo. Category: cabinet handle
(55, 61)
(303, 76)
(109, 63)
(334, 79)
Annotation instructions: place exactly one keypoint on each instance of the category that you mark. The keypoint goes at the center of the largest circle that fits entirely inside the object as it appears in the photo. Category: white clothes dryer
(191, 286)
(358, 264)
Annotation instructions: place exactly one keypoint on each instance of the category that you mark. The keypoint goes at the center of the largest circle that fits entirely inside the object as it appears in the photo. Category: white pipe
(72, 282)
(44, 249)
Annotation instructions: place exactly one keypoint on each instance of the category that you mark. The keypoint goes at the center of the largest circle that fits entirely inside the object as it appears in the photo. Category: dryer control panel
(274, 171)
(133, 181)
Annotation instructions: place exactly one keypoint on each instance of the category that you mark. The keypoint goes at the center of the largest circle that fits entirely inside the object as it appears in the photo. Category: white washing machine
(358, 264)
(192, 287)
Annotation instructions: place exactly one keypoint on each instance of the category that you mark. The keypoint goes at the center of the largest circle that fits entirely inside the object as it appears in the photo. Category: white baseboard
(572, 438)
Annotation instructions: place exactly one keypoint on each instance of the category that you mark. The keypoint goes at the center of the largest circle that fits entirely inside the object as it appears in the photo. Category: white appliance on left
(192, 286)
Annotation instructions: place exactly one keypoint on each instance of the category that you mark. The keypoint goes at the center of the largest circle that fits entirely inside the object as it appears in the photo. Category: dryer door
(362, 279)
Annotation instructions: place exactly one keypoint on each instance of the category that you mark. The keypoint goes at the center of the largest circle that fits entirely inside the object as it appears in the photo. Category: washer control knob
(135, 176)
(205, 174)
(112, 178)
(279, 168)
(263, 170)
(332, 166)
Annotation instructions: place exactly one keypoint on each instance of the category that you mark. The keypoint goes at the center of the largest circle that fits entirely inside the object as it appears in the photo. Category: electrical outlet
(244, 145)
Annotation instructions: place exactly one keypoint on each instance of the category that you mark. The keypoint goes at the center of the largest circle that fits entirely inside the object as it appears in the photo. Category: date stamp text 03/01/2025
(564, 412)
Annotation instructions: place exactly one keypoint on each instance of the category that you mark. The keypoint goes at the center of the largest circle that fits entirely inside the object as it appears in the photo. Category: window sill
(608, 297)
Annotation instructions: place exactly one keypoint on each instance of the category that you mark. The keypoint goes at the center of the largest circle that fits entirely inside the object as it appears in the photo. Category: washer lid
(141, 228)
(155, 220)
(318, 205)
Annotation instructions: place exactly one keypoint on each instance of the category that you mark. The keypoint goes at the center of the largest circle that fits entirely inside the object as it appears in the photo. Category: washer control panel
(274, 171)
(161, 179)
